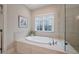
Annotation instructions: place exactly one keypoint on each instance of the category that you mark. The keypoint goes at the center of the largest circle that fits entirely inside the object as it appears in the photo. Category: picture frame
(22, 22)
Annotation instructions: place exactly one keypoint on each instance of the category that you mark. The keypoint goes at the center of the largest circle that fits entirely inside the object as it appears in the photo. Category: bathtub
(50, 43)
(44, 42)
(39, 39)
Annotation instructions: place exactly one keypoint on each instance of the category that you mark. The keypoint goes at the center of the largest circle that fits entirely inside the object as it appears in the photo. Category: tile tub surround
(20, 47)
(24, 48)
(11, 49)
(46, 41)
(27, 43)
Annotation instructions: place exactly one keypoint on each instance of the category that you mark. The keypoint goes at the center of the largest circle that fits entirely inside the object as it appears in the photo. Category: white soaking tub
(50, 43)
(39, 39)
(44, 42)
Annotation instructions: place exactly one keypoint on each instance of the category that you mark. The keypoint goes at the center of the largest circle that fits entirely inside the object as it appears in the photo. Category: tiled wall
(72, 26)
(24, 48)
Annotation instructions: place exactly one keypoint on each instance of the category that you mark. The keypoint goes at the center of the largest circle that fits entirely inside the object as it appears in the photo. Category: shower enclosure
(68, 27)
(72, 28)
(1, 26)
(0, 41)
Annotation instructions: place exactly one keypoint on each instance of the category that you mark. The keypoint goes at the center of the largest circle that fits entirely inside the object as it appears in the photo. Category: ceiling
(35, 6)
(72, 5)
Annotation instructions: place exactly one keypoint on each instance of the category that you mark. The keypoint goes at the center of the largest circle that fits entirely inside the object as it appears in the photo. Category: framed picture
(22, 22)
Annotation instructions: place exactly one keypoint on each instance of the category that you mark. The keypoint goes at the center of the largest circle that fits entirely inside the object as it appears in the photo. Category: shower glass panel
(59, 25)
(72, 28)
(0, 42)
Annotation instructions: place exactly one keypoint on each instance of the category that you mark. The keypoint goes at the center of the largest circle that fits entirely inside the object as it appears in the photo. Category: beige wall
(13, 11)
(72, 27)
(59, 20)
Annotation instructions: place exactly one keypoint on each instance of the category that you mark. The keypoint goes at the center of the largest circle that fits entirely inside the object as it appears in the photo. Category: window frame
(43, 15)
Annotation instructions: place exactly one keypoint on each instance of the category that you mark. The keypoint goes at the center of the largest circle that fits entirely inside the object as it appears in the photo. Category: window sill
(45, 31)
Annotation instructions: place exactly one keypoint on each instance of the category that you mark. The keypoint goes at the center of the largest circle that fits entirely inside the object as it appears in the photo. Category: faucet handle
(53, 42)
(50, 43)
(56, 42)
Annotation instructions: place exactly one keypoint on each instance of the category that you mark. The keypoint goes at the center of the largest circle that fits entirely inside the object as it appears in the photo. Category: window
(44, 23)
(38, 24)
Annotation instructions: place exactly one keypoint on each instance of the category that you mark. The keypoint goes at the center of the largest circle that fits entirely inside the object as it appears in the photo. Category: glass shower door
(72, 28)
(0, 41)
